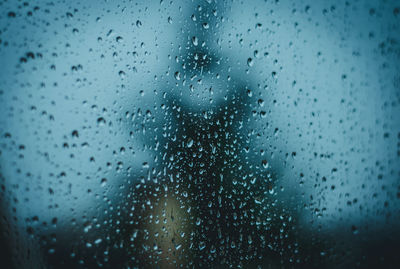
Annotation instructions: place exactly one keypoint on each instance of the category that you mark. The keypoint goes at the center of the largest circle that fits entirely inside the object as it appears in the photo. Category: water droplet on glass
(190, 143)
(195, 41)
(250, 62)
(177, 75)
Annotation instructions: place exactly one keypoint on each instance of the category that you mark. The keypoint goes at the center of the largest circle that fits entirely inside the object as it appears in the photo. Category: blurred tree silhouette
(218, 200)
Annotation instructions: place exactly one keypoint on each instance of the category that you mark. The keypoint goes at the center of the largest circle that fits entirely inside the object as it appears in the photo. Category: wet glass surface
(199, 134)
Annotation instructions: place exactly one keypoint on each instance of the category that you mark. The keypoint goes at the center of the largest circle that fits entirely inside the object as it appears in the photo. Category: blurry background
(201, 134)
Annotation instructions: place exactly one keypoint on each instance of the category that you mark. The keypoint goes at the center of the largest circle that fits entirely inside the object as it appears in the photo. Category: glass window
(199, 134)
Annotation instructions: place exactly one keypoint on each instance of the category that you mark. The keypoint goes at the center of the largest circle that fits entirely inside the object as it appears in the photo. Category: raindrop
(101, 121)
(250, 62)
(177, 75)
(195, 41)
(190, 143)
